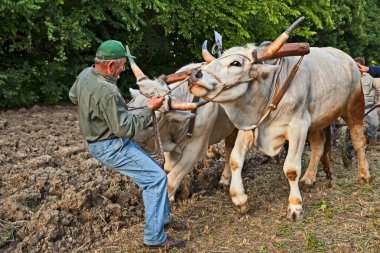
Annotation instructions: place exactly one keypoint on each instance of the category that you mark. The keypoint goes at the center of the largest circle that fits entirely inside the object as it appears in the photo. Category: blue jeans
(371, 124)
(129, 159)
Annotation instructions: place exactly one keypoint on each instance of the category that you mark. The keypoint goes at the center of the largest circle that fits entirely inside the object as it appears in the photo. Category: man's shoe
(176, 224)
(371, 142)
(168, 244)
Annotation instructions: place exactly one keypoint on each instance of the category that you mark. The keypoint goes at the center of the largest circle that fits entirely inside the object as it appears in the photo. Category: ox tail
(327, 151)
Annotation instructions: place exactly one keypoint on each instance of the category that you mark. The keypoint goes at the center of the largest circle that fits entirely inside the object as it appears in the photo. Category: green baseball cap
(112, 50)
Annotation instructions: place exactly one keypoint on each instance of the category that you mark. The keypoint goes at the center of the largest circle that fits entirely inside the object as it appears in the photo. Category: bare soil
(54, 197)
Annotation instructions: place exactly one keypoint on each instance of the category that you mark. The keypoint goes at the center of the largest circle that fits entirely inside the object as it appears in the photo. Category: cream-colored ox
(326, 86)
(182, 153)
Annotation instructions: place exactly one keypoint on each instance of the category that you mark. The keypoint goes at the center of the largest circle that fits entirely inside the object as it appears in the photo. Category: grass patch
(314, 245)
(284, 230)
(262, 249)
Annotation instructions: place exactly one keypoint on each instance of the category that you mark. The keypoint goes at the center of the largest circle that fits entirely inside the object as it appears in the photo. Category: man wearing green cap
(108, 128)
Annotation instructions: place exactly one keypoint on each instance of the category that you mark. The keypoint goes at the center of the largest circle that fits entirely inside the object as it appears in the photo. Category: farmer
(370, 88)
(374, 71)
(107, 126)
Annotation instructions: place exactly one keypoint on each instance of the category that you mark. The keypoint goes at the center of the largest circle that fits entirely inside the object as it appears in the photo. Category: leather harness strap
(192, 120)
(280, 91)
(278, 94)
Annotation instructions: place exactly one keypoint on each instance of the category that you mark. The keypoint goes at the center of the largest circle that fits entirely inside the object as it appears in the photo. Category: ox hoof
(306, 184)
(213, 152)
(223, 187)
(364, 178)
(307, 181)
(294, 212)
(241, 203)
(171, 198)
(327, 184)
(224, 182)
(329, 176)
(243, 209)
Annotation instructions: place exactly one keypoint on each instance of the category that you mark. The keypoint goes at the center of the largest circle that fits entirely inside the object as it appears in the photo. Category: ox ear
(179, 116)
(134, 92)
(150, 88)
(263, 71)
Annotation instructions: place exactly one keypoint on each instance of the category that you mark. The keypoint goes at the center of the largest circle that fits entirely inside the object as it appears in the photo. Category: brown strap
(281, 91)
(192, 120)
(179, 76)
(278, 94)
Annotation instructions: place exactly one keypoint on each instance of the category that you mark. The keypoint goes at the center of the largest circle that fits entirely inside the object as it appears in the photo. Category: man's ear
(134, 92)
(109, 68)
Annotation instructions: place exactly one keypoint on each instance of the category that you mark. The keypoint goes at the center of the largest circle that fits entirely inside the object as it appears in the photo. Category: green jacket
(103, 113)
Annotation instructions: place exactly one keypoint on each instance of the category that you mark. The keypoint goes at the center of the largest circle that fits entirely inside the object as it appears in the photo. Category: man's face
(119, 68)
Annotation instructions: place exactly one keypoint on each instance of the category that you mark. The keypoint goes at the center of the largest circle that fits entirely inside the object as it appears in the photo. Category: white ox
(326, 86)
(182, 153)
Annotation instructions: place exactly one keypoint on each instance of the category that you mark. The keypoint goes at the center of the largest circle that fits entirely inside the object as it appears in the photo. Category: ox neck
(248, 109)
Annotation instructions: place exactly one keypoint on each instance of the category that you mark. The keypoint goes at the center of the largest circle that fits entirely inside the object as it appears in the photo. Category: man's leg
(131, 160)
(371, 124)
(167, 216)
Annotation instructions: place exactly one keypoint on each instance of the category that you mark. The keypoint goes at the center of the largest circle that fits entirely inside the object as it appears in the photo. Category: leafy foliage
(45, 44)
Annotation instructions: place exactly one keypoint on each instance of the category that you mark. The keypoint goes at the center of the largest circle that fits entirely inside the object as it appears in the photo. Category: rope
(155, 123)
(156, 133)
(175, 87)
(372, 108)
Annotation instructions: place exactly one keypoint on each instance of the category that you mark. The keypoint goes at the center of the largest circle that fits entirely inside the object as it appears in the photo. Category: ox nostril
(198, 74)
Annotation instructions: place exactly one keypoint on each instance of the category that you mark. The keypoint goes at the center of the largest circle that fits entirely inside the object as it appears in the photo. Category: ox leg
(326, 156)
(229, 144)
(354, 121)
(191, 153)
(213, 152)
(168, 166)
(316, 140)
(297, 134)
(359, 143)
(244, 143)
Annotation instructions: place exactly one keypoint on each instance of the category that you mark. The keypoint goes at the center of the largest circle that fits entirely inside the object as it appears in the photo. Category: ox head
(149, 87)
(171, 124)
(237, 68)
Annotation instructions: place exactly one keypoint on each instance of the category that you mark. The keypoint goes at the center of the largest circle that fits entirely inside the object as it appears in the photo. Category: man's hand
(156, 102)
(363, 69)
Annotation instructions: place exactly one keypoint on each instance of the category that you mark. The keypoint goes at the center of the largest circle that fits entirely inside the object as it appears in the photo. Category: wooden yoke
(292, 49)
(289, 49)
(179, 76)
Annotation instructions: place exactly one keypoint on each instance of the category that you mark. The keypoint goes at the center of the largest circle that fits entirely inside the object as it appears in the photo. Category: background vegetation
(46, 43)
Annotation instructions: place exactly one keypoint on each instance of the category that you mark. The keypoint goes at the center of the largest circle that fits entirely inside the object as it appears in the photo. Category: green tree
(45, 43)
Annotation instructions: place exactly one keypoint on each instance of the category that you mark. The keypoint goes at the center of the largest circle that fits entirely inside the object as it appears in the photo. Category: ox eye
(235, 64)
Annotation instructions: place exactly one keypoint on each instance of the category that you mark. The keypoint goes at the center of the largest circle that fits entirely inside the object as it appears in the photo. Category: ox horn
(206, 54)
(268, 52)
(185, 106)
(135, 69)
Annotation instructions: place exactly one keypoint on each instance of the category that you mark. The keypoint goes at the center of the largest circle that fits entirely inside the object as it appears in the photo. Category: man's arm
(124, 124)
(376, 85)
(72, 93)
(374, 71)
